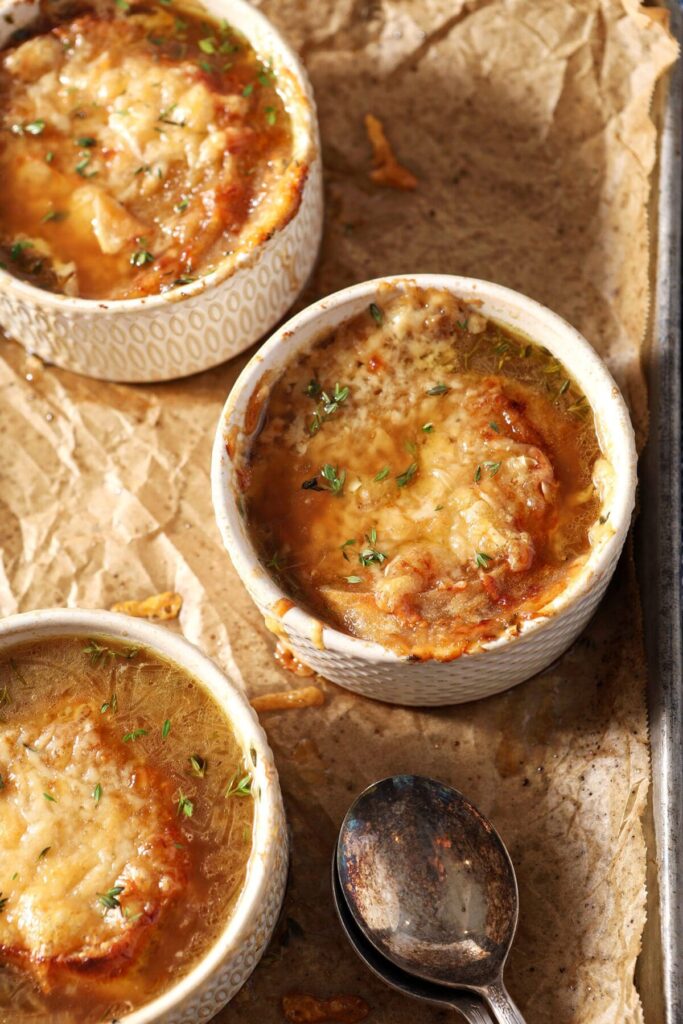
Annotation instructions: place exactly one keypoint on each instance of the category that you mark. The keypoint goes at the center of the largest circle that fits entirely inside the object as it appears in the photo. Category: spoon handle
(474, 1010)
(504, 1010)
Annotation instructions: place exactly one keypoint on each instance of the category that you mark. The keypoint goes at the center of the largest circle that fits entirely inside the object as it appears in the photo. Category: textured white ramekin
(227, 965)
(369, 668)
(198, 325)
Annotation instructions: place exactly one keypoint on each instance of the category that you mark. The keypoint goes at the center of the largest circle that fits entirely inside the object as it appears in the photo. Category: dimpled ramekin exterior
(225, 967)
(162, 337)
(368, 668)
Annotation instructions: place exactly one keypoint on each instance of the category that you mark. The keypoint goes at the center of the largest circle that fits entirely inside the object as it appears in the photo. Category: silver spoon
(431, 886)
(471, 1007)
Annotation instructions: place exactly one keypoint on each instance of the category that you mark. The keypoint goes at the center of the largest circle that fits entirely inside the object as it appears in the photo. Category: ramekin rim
(265, 591)
(226, 268)
(250, 734)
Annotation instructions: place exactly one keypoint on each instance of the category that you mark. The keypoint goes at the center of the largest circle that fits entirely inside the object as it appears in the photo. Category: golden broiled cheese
(423, 478)
(91, 851)
(139, 149)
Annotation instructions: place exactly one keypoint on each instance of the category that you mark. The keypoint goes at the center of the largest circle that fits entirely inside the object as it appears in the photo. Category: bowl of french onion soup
(161, 202)
(425, 484)
(143, 851)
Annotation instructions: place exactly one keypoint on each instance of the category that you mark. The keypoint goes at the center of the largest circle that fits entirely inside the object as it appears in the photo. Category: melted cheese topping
(139, 149)
(433, 481)
(66, 844)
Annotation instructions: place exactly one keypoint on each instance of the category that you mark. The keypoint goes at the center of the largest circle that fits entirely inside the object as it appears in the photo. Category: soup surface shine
(422, 477)
(127, 821)
(141, 145)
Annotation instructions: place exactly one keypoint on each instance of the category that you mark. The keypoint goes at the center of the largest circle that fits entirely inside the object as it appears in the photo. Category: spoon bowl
(470, 1006)
(431, 886)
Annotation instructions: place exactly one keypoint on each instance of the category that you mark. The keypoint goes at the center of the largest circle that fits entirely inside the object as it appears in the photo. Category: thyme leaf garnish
(334, 478)
(110, 899)
(134, 734)
(404, 478)
(239, 784)
(185, 805)
(99, 652)
(482, 559)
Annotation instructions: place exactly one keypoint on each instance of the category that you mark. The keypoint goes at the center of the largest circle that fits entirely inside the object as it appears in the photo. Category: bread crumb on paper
(387, 171)
(159, 606)
(305, 697)
(305, 1009)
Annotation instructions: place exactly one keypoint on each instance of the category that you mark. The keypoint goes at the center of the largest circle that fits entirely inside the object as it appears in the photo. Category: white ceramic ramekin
(369, 668)
(230, 961)
(199, 325)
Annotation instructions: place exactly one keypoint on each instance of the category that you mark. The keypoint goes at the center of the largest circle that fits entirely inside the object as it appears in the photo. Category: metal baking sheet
(658, 559)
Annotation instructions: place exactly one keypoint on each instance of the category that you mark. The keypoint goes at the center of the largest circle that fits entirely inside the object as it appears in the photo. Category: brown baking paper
(527, 127)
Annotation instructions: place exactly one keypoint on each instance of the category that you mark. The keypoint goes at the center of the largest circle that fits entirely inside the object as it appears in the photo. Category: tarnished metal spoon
(470, 1006)
(431, 886)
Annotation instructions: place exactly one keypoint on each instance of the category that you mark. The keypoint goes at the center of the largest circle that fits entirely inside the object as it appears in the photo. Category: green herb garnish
(404, 478)
(427, 428)
(110, 899)
(134, 734)
(182, 205)
(97, 793)
(17, 249)
(239, 784)
(327, 406)
(36, 127)
(438, 389)
(482, 559)
(99, 652)
(43, 852)
(271, 115)
(376, 313)
(82, 164)
(207, 45)
(198, 765)
(111, 703)
(248, 89)
(54, 215)
(185, 806)
(370, 555)
(140, 257)
(334, 478)
(51, 799)
(353, 579)
(166, 728)
(86, 141)
(382, 475)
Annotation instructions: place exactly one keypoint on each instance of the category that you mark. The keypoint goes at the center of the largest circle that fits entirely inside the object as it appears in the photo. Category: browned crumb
(305, 1009)
(158, 606)
(387, 171)
(306, 697)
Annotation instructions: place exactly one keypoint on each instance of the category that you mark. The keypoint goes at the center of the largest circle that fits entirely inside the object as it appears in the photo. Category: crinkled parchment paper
(526, 123)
